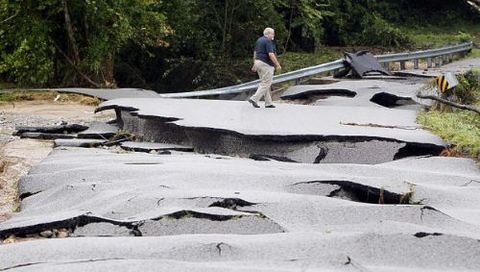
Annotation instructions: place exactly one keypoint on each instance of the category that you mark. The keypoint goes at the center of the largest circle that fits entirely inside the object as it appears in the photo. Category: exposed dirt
(18, 156)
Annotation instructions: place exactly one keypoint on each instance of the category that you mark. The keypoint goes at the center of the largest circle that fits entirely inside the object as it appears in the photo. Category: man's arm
(273, 58)
(254, 58)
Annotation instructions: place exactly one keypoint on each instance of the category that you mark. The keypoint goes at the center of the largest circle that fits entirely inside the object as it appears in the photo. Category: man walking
(264, 61)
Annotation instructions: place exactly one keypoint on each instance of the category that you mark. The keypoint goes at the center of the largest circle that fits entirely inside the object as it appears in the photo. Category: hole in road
(390, 100)
(425, 234)
(351, 191)
(231, 203)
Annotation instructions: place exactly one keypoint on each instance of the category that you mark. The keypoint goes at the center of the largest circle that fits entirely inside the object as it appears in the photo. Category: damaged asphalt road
(197, 200)
(308, 134)
(348, 182)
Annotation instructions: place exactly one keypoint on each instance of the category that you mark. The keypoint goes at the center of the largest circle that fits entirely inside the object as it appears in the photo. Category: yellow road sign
(442, 84)
(446, 81)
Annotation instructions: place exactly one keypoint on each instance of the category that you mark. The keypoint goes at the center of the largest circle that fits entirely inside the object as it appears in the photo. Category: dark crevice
(21, 265)
(321, 155)
(422, 211)
(83, 220)
(46, 136)
(425, 234)
(254, 223)
(233, 143)
(219, 247)
(261, 157)
(214, 132)
(342, 72)
(314, 94)
(57, 263)
(415, 150)
(390, 101)
(360, 193)
(135, 231)
(112, 122)
(188, 213)
(163, 151)
(71, 223)
(231, 203)
(63, 129)
(28, 194)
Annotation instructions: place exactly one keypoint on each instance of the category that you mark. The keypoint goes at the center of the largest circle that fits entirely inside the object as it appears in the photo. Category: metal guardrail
(327, 67)
(444, 51)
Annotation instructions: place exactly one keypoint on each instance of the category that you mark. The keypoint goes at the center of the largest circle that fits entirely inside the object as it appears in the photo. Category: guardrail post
(429, 63)
(415, 64)
(402, 65)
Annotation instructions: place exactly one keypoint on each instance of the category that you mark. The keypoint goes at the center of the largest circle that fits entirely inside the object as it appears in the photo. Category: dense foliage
(189, 44)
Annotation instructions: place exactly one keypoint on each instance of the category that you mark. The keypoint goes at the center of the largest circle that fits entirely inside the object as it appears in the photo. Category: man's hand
(254, 69)
(278, 67)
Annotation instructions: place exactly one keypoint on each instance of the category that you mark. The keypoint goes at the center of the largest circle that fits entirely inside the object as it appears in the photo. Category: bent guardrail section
(439, 55)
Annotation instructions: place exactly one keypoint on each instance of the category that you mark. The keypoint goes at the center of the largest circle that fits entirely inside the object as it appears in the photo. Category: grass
(460, 128)
(436, 36)
(8, 97)
(292, 61)
(6, 85)
(474, 54)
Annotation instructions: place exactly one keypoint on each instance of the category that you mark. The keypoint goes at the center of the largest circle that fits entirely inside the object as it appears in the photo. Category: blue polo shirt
(263, 46)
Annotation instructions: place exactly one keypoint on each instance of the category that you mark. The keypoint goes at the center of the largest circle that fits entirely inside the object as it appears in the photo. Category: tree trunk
(229, 32)
(224, 36)
(86, 28)
(108, 70)
(292, 10)
(84, 76)
(71, 36)
(450, 103)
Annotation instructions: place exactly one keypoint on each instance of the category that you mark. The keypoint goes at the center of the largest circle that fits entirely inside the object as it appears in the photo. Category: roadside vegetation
(460, 128)
(428, 36)
(171, 46)
(12, 97)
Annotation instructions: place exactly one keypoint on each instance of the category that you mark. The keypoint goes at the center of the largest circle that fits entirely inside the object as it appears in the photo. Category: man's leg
(268, 98)
(265, 80)
(268, 93)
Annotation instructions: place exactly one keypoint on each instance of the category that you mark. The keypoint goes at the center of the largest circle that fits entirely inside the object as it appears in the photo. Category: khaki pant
(265, 72)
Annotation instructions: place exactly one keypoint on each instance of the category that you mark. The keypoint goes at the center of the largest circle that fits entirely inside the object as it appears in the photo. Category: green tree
(212, 41)
(73, 42)
(305, 17)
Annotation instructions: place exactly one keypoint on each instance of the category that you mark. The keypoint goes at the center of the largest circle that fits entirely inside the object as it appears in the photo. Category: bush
(464, 37)
(355, 24)
(468, 89)
(379, 32)
(31, 63)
